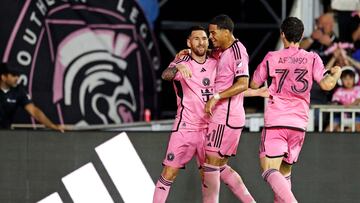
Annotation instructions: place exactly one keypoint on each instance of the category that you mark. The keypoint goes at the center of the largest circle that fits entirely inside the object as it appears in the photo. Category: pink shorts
(183, 145)
(278, 142)
(222, 139)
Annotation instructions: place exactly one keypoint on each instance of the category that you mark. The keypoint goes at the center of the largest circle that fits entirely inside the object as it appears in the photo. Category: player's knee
(215, 159)
(285, 168)
(170, 173)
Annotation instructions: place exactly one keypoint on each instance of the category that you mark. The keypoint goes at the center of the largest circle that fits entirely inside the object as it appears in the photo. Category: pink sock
(277, 198)
(211, 185)
(288, 178)
(233, 180)
(162, 189)
(279, 185)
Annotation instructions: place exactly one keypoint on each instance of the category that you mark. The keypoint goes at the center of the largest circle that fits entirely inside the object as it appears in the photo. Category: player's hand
(210, 105)
(182, 53)
(184, 71)
(336, 70)
(316, 34)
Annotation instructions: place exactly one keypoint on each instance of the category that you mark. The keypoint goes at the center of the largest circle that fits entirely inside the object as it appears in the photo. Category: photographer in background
(13, 96)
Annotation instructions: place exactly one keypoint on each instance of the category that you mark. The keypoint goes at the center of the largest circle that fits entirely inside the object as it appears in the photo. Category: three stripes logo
(86, 185)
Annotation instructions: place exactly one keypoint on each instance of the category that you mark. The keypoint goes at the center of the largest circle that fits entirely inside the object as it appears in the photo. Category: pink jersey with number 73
(290, 73)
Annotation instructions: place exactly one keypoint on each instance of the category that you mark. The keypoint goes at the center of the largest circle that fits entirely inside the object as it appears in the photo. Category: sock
(233, 180)
(279, 185)
(288, 178)
(211, 185)
(277, 198)
(162, 189)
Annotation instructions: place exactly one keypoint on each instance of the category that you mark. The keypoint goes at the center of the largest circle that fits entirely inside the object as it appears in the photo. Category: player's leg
(235, 183)
(285, 170)
(179, 152)
(221, 143)
(230, 177)
(273, 147)
(211, 183)
(163, 185)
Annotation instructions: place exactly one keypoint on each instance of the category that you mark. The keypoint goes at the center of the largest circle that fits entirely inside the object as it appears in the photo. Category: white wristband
(217, 96)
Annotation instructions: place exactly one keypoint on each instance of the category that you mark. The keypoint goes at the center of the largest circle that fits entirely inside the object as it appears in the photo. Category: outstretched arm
(35, 112)
(257, 92)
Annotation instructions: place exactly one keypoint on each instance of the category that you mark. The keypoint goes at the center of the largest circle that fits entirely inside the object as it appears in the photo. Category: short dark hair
(347, 72)
(223, 22)
(196, 28)
(4, 70)
(293, 29)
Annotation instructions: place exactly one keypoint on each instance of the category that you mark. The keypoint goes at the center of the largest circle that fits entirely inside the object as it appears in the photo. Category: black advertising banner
(83, 62)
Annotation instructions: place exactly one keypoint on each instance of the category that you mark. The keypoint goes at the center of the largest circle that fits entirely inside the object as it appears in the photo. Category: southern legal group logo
(86, 61)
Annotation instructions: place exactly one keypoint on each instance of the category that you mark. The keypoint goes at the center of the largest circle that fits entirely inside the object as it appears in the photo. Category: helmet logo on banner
(84, 61)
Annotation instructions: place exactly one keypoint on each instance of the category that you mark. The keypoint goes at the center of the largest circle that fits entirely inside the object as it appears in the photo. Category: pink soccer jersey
(290, 73)
(193, 93)
(346, 96)
(233, 63)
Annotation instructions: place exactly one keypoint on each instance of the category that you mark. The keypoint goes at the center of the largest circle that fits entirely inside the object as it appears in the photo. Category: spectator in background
(322, 37)
(343, 10)
(320, 40)
(13, 96)
(348, 95)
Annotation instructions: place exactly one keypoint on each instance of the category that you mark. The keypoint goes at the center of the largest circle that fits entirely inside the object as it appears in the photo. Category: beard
(200, 51)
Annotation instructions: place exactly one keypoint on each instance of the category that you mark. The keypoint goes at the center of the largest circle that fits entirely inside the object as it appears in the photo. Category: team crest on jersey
(170, 156)
(206, 81)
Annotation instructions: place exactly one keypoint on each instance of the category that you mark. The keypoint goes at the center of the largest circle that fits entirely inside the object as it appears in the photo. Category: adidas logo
(86, 185)
(203, 70)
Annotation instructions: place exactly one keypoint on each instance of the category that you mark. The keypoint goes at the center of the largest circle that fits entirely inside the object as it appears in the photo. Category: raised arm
(329, 81)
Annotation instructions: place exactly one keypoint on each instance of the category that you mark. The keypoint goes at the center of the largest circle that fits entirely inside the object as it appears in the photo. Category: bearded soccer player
(193, 77)
(290, 73)
(227, 112)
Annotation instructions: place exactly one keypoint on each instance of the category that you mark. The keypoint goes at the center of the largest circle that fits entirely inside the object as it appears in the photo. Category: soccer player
(227, 112)
(290, 73)
(193, 77)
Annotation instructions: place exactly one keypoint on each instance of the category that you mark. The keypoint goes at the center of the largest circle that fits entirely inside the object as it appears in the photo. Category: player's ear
(188, 43)
(282, 35)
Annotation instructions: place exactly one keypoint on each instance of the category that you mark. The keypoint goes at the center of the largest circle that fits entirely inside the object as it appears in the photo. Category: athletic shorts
(222, 139)
(183, 145)
(281, 142)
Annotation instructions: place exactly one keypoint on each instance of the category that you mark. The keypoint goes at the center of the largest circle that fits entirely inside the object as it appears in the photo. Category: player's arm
(329, 81)
(170, 72)
(239, 86)
(35, 112)
(257, 92)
